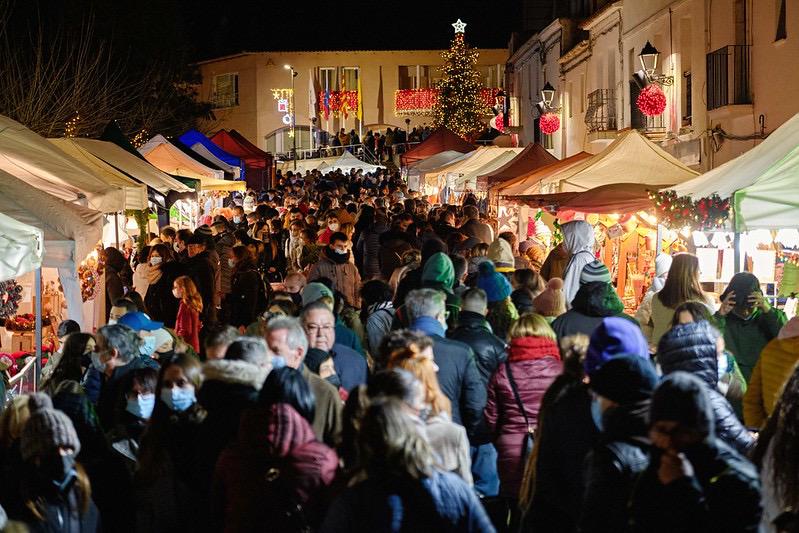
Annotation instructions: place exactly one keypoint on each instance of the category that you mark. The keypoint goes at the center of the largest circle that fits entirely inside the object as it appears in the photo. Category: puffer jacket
(534, 363)
(489, 350)
(772, 370)
(692, 348)
(594, 301)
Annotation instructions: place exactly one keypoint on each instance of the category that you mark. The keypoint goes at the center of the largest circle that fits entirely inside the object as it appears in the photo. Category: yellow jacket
(776, 363)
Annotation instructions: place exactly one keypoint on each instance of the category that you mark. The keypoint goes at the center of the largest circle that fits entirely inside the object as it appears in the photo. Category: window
(740, 21)
(327, 78)
(490, 75)
(686, 99)
(349, 77)
(571, 99)
(782, 30)
(225, 92)
(407, 77)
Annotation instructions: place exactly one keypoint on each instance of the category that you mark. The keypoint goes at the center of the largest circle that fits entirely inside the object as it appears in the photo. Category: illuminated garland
(680, 211)
(334, 102)
(416, 102)
(71, 127)
(651, 101)
(10, 297)
(549, 123)
(89, 273)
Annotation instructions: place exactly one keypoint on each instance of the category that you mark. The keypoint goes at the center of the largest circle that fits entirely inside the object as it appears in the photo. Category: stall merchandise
(441, 140)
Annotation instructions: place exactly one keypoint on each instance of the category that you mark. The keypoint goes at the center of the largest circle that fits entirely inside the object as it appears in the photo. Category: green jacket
(747, 338)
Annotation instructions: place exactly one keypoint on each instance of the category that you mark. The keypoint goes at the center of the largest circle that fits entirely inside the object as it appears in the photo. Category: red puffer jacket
(535, 363)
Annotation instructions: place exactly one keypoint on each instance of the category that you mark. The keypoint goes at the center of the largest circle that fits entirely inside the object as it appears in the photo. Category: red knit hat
(551, 302)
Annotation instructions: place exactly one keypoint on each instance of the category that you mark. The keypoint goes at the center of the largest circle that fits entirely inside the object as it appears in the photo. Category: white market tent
(304, 165)
(347, 162)
(169, 158)
(414, 171)
(464, 176)
(135, 192)
(21, 248)
(631, 158)
(128, 163)
(763, 182)
(31, 158)
(200, 149)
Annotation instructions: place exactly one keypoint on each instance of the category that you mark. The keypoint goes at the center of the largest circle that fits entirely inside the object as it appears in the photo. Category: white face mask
(333, 226)
(155, 261)
(236, 220)
(176, 247)
(231, 263)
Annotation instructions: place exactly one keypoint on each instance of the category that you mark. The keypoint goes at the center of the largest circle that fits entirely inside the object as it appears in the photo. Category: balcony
(420, 102)
(600, 115)
(728, 76)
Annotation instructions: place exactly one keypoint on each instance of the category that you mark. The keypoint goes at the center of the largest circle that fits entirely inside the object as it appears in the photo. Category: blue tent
(192, 137)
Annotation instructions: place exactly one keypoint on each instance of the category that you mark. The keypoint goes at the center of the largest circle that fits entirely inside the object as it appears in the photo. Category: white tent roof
(207, 154)
(631, 158)
(21, 248)
(128, 163)
(478, 159)
(437, 160)
(135, 192)
(468, 180)
(29, 157)
(167, 157)
(306, 164)
(347, 162)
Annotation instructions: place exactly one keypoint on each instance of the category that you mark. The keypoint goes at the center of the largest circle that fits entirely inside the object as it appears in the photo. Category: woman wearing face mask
(138, 389)
(320, 363)
(187, 325)
(163, 270)
(167, 481)
(332, 227)
(243, 300)
(55, 491)
(75, 361)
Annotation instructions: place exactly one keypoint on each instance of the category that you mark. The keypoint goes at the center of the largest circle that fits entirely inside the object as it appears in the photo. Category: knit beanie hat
(496, 285)
(551, 301)
(594, 271)
(313, 292)
(46, 429)
(790, 329)
(614, 336)
(682, 397)
(501, 254)
(314, 359)
(662, 264)
(625, 379)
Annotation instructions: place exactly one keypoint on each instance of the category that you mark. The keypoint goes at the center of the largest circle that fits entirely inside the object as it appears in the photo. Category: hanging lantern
(550, 123)
(651, 101)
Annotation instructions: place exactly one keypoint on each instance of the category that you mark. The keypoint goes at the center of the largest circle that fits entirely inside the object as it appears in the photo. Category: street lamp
(649, 62)
(548, 94)
(293, 116)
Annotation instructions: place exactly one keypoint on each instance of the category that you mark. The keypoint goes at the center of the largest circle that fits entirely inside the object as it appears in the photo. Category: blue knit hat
(496, 285)
(614, 336)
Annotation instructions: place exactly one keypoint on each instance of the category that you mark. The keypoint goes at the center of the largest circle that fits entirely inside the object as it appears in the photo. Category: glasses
(317, 328)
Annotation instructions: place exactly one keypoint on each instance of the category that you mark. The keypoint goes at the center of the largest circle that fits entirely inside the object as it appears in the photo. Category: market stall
(194, 140)
(413, 173)
(441, 140)
(530, 182)
(257, 162)
(347, 162)
(169, 158)
(532, 157)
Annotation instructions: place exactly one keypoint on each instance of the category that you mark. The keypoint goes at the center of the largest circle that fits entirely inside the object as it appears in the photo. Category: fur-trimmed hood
(235, 372)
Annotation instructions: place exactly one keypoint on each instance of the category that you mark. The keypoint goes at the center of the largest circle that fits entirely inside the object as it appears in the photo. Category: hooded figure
(578, 238)
(662, 266)
(501, 311)
(439, 273)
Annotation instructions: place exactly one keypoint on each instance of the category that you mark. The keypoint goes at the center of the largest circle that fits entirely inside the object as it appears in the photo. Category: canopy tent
(347, 162)
(204, 152)
(473, 160)
(530, 183)
(194, 140)
(469, 179)
(434, 161)
(304, 165)
(29, 157)
(764, 182)
(605, 199)
(135, 192)
(210, 184)
(21, 248)
(631, 158)
(228, 172)
(257, 162)
(70, 232)
(439, 141)
(532, 157)
(169, 158)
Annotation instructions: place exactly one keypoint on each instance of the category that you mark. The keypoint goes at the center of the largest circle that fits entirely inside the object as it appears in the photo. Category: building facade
(251, 92)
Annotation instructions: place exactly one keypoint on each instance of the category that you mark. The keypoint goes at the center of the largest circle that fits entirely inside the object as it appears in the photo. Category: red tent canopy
(439, 141)
(257, 162)
(532, 157)
(606, 199)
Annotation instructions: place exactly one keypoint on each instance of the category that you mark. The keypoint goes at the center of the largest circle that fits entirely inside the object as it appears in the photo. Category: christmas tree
(459, 106)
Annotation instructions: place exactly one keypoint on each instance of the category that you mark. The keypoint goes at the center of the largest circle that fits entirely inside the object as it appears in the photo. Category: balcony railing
(601, 112)
(728, 76)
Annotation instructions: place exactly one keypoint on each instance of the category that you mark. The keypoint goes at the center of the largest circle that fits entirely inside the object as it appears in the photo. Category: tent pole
(116, 228)
(737, 255)
(37, 339)
(659, 249)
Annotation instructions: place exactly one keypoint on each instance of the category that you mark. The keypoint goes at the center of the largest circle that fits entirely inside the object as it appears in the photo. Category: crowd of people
(336, 354)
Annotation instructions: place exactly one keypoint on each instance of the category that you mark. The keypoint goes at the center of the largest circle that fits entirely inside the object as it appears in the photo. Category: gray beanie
(46, 429)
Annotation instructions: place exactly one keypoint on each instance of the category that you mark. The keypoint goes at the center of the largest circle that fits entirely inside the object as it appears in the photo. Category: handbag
(527, 442)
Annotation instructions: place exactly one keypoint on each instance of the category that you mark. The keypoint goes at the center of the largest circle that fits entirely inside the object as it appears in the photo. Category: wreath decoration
(10, 297)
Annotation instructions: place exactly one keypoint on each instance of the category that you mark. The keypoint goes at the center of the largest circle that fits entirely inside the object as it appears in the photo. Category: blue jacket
(350, 366)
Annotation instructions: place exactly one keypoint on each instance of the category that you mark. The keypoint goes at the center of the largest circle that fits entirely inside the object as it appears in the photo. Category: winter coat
(480, 231)
(378, 323)
(555, 263)
(346, 336)
(161, 305)
(534, 363)
(489, 350)
(327, 422)
(450, 444)
(612, 467)
(242, 302)
(593, 302)
(692, 348)
(369, 249)
(345, 277)
(457, 375)
(772, 370)
(187, 326)
(350, 366)
(202, 272)
(62, 513)
(393, 244)
(223, 243)
(747, 338)
(662, 316)
(111, 399)
(275, 474)
(443, 503)
(578, 240)
(723, 495)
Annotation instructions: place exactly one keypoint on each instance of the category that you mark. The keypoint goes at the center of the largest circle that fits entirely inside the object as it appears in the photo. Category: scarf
(530, 348)
(388, 306)
(153, 274)
(338, 259)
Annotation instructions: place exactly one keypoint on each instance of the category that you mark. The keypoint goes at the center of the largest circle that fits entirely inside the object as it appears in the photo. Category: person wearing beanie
(578, 239)
(747, 320)
(772, 370)
(614, 336)
(622, 388)
(501, 311)
(501, 254)
(595, 300)
(439, 273)
(694, 482)
(551, 303)
(55, 493)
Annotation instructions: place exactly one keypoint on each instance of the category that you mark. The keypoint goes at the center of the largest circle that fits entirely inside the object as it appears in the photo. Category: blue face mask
(278, 361)
(97, 363)
(178, 399)
(142, 406)
(596, 413)
(148, 345)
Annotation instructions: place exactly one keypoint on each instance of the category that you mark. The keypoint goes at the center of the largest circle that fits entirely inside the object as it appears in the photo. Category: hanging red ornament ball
(652, 101)
(550, 123)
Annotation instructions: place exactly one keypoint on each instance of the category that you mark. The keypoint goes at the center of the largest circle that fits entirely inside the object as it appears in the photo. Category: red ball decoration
(550, 123)
(651, 101)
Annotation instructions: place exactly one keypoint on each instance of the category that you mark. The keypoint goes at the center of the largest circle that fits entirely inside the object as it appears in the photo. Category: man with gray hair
(457, 370)
(286, 338)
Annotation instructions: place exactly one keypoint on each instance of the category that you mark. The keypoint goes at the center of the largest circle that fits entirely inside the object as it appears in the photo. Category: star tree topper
(459, 26)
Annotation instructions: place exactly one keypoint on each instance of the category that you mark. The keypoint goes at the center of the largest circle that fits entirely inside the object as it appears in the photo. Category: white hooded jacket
(578, 239)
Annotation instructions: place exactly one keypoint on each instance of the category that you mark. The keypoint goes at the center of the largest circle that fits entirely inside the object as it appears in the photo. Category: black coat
(161, 305)
(489, 350)
(200, 269)
(592, 303)
(62, 513)
(611, 468)
(723, 495)
(692, 348)
(242, 302)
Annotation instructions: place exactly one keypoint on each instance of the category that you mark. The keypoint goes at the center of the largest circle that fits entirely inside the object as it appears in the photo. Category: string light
(71, 127)
(651, 101)
(140, 138)
(676, 211)
(414, 102)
